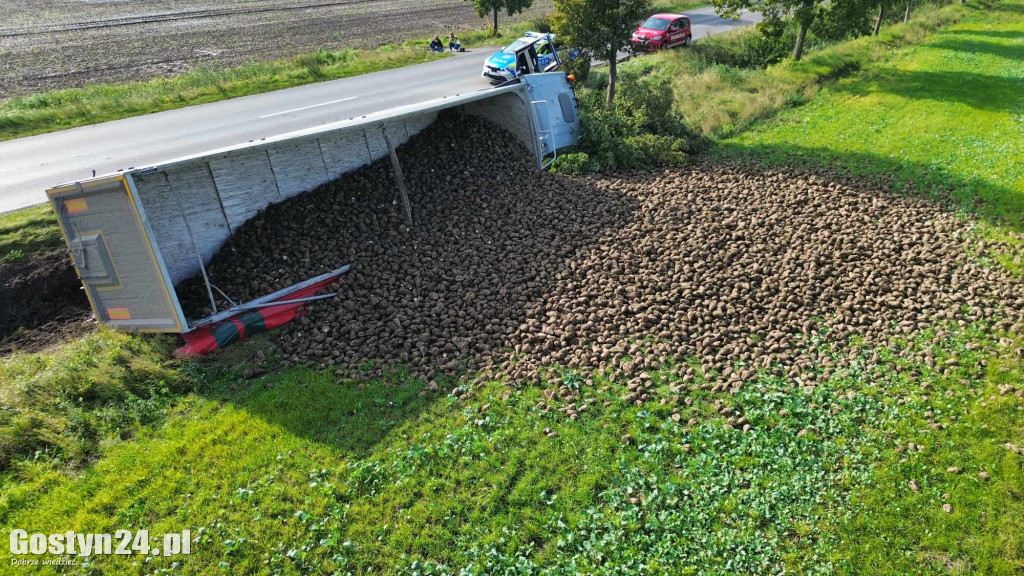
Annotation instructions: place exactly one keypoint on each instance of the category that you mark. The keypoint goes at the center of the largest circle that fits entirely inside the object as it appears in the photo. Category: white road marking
(308, 107)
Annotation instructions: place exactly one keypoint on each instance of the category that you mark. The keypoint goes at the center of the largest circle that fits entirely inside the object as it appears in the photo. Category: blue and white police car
(533, 52)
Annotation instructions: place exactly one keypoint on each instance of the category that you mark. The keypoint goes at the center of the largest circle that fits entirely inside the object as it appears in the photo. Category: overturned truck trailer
(135, 235)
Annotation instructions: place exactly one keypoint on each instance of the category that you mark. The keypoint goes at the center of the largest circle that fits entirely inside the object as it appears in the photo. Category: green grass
(679, 6)
(26, 231)
(943, 118)
(298, 473)
(63, 406)
(721, 86)
(899, 531)
(720, 99)
(60, 109)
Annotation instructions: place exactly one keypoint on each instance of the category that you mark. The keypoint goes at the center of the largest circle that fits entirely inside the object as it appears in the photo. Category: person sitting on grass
(453, 43)
(436, 45)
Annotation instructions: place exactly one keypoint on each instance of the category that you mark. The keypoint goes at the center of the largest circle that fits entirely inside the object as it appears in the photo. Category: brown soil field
(41, 300)
(48, 44)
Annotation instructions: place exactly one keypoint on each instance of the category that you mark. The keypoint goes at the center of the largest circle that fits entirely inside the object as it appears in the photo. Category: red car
(663, 31)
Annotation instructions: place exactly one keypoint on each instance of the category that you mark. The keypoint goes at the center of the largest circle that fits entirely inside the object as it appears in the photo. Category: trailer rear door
(112, 250)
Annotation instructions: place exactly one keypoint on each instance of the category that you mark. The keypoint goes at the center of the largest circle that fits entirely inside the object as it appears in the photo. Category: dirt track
(47, 44)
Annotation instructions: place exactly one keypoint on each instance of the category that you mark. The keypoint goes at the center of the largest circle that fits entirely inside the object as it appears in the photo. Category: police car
(533, 52)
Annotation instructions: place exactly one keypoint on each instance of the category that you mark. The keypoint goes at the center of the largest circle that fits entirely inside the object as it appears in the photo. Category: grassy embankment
(23, 232)
(673, 104)
(60, 109)
(944, 117)
(720, 97)
(293, 473)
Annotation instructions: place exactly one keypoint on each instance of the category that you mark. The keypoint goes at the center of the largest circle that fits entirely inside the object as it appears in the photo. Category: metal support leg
(224, 294)
(199, 257)
(403, 191)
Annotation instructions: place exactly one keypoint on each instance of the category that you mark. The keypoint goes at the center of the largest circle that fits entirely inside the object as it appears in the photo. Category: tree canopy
(831, 19)
(485, 7)
(601, 28)
(803, 11)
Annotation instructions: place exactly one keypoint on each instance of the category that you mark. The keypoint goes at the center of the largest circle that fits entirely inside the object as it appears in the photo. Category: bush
(579, 67)
(542, 26)
(760, 46)
(771, 42)
(647, 106)
(643, 130)
(842, 21)
(572, 163)
(748, 48)
(650, 150)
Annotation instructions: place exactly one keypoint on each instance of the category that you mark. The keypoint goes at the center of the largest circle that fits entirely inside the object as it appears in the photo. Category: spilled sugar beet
(721, 268)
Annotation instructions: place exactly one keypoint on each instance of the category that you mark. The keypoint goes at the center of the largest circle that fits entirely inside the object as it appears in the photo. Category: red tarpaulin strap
(215, 336)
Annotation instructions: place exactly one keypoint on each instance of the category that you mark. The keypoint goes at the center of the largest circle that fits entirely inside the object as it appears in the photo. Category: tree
(884, 7)
(601, 28)
(511, 7)
(803, 11)
(840, 20)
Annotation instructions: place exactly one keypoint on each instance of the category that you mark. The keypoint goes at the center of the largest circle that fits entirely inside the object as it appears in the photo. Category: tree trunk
(798, 50)
(881, 14)
(804, 16)
(906, 15)
(495, 22)
(612, 73)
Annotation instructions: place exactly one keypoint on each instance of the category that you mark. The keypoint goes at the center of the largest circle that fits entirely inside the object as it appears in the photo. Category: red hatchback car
(663, 31)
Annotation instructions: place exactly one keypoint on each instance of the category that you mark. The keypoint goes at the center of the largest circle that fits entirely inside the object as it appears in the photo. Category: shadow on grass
(964, 44)
(30, 234)
(346, 416)
(990, 33)
(996, 205)
(979, 91)
(1013, 8)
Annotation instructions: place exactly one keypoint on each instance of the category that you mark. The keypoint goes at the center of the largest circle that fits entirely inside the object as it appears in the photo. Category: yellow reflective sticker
(76, 205)
(119, 314)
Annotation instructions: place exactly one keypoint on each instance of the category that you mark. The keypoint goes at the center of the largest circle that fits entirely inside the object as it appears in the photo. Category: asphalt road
(28, 166)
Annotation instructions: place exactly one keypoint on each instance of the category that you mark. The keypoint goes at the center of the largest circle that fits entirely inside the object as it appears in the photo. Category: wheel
(687, 41)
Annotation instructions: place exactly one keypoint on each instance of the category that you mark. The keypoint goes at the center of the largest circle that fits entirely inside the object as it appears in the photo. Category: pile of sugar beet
(511, 271)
